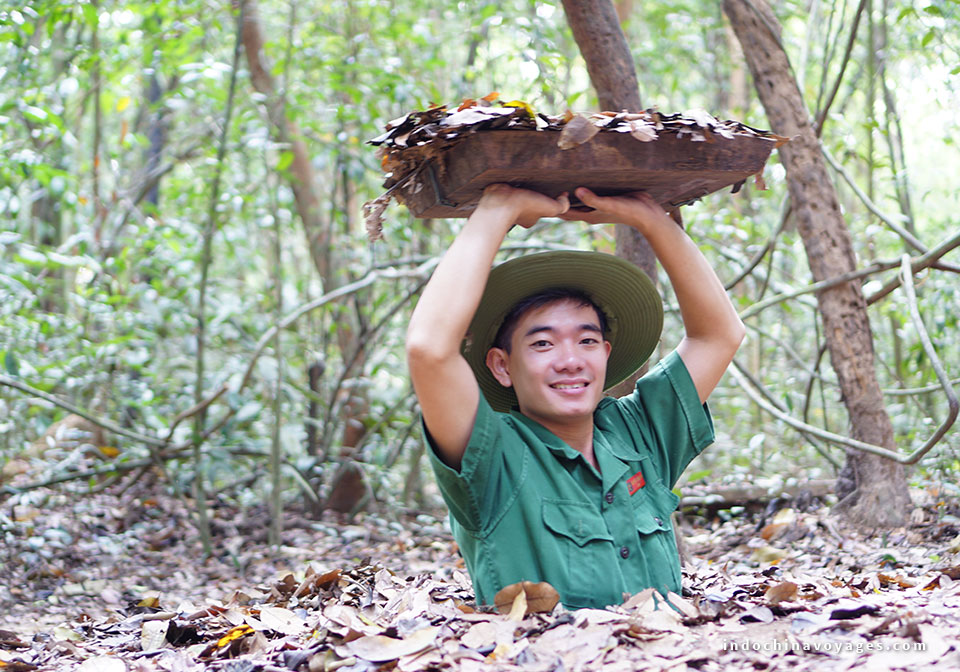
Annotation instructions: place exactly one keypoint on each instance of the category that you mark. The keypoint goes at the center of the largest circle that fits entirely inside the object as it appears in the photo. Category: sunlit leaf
(234, 634)
(286, 158)
(539, 597)
(521, 105)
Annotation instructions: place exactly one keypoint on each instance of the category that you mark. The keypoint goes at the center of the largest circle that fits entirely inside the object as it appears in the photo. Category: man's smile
(568, 386)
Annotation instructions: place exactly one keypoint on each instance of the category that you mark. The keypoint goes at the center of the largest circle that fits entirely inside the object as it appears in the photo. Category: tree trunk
(302, 180)
(879, 495)
(596, 28)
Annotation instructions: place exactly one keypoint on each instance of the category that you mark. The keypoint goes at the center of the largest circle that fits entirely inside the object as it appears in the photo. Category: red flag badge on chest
(636, 482)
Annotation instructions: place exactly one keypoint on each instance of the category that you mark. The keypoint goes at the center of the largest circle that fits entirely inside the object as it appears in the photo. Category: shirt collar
(610, 455)
(612, 466)
(548, 438)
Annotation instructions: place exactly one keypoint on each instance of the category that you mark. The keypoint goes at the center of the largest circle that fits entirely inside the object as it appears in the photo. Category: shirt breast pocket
(652, 507)
(579, 558)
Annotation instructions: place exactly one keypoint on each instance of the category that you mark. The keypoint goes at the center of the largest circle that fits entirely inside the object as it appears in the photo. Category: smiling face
(557, 363)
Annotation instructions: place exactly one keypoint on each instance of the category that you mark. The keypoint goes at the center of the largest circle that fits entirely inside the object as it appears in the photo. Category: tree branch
(908, 237)
(917, 265)
(770, 398)
(822, 116)
(100, 422)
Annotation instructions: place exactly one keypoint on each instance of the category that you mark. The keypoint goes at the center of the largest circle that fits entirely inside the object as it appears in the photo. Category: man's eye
(541, 344)
(589, 341)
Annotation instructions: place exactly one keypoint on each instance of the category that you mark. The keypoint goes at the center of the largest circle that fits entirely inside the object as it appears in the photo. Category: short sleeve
(463, 490)
(665, 413)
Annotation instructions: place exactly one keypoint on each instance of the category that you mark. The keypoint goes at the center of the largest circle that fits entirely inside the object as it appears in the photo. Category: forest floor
(117, 581)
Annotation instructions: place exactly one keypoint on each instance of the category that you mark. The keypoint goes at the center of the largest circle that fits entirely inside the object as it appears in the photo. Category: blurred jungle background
(190, 309)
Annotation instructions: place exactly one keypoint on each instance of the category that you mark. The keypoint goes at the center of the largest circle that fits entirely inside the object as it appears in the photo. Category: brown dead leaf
(373, 223)
(10, 640)
(576, 132)
(16, 666)
(899, 581)
(759, 181)
(782, 521)
(540, 597)
(780, 140)
(781, 592)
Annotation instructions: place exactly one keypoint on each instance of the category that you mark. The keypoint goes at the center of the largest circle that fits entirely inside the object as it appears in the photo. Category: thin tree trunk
(275, 534)
(210, 229)
(156, 136)
(286, 131)
(95, 77)
(880, 496)
(893, 131)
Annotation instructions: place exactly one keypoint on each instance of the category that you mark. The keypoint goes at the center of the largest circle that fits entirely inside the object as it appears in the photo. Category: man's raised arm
(442, 379)
(713, 330)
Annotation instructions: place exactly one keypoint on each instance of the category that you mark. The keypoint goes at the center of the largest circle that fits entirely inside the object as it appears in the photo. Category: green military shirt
(527, 507)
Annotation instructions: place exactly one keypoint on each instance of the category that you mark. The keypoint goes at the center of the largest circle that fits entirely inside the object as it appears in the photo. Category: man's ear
(498, 363)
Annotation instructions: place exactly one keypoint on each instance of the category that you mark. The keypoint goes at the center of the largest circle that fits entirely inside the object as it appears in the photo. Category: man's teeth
(566, 386)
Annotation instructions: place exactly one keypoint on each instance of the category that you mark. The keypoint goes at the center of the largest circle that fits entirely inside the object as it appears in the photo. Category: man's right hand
(521, 207)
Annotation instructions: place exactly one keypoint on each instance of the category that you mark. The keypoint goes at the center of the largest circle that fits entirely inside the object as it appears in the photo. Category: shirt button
(657, 520)
(624, 552)
(609, 498)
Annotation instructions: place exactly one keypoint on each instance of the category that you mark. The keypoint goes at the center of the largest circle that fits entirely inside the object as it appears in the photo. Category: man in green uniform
(546, 479)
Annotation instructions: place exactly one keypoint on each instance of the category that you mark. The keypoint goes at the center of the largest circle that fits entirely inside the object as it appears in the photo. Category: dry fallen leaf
(282, 620)
(519, 608)
(102, 664)
(642, 602)
(153, 635)
(685, 607)
(642, 130)
(768, 554)
(540, 597)
(782, 592)
(380, 648)
(576, 132)
(234, 634)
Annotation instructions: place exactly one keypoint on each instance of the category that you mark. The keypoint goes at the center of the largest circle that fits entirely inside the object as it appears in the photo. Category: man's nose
(568, 358)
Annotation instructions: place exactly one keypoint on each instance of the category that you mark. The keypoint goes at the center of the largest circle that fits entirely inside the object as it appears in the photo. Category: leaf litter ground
(116, 582)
